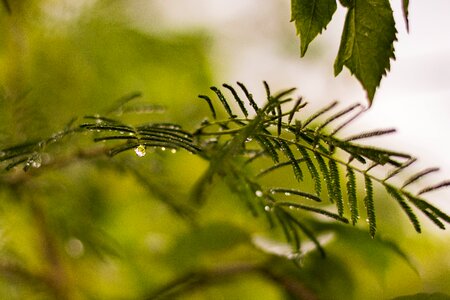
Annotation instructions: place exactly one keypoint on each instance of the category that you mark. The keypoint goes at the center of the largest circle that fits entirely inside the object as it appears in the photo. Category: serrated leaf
(367, 43)
(370, 206)
(311, 17)
(351, 195)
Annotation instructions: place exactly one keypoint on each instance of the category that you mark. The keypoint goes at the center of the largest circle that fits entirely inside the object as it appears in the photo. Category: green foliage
(311, 17)
(232, 140)
(367, 42)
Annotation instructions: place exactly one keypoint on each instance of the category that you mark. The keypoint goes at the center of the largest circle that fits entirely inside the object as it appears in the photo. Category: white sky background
(253, 41)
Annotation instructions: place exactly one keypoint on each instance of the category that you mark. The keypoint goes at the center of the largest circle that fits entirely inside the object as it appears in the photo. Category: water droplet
(259, 193)
(121, 132)
(140, 150)
(173, 150)
(287, 194)
(74, 247)
(272, 192)
(367, 220)
(267, 208)
(163, 148)
(249, 139)
(35, 161)
(291, 207)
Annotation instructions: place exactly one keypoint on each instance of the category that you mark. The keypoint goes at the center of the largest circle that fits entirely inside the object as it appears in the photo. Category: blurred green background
(122, 227)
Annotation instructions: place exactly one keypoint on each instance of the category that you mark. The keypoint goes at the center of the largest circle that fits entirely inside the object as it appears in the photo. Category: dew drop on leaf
(163, 148)
(259, 193)
(173, 150)
(35, 161)
(267, 208)
(287, 194)
(140, 150)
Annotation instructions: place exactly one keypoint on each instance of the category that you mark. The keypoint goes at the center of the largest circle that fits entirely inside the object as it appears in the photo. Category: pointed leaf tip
(367, 43)
(310, 18)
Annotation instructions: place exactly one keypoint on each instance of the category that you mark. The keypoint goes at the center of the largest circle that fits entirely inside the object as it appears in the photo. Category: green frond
(343, 125)
(288, 228)
(370, 206)
(210, 105)
(336, 186)
(419, 175)
(223, 101)
(108, 127)
(297, 106)
(351, 195)
(293, 206)
(312, 169)
(19, 150)
(370, 134)
(289, 192)
(308, 233)
(16, 162)
(319, 113)
(337, 116)
(429, 210)
(118, 105)
(289, 155)
(325, 174)
(268, 147)
(268, 93)
(249, 97)
(435, 187)
(236, 97)
(102, 120)
(425, 206)
(277, 166)
(279, 119)
(400, 168)
(406, 208)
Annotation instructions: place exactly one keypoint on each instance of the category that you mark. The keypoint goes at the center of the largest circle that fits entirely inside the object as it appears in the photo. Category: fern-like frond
(289, 192)
(223, 101)
(268, 147)
(292, 206)
(289, 155)
(210, 105)
(336, 186)
(312, 169)
(237, 98)
(435, 187)
(351, 195)
(406, 208)
(419, 175)
(370, 206)
(249, 97)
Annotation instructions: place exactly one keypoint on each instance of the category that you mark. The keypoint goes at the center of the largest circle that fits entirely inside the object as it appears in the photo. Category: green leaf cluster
(367, 41)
